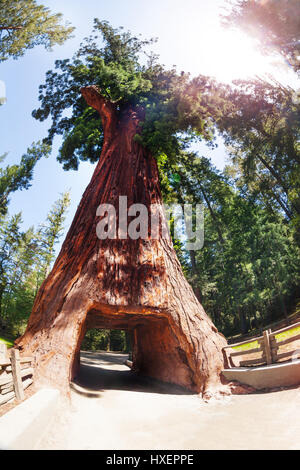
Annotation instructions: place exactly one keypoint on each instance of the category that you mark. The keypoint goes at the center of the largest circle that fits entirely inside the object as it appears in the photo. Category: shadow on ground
(100, 371)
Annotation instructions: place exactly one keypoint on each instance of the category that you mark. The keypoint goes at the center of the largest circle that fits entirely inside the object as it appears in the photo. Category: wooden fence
(268, 349)
(16, 374)
(290, 320)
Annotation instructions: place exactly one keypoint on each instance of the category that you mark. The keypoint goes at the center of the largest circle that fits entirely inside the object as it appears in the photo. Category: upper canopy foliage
(25, 24)
(177, 107)
(276, 24)
(262, 136)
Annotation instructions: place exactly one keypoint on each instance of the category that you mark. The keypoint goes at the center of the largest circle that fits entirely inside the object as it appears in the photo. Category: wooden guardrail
(16, 374)
(290, 320)
(268, 346)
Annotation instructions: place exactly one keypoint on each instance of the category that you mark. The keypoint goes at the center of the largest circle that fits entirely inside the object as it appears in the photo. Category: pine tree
(24, 24)
(275, 23)
(18, 177)
(25, 258)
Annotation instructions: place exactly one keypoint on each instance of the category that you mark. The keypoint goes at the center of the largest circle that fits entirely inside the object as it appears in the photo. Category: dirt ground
(114, 409)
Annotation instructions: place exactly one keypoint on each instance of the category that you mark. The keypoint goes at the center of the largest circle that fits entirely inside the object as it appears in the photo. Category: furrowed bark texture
(136, 285)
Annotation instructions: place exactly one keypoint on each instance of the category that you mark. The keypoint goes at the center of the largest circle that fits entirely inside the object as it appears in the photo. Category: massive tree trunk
(136, 285)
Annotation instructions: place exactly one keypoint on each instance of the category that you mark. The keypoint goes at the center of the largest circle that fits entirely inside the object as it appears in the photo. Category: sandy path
(128, 412)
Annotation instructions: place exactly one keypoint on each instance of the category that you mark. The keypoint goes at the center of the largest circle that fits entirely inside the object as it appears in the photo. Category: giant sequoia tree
(127, 107)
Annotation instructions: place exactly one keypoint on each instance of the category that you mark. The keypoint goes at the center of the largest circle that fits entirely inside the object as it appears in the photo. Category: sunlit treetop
(24, 24)
(178, 108)
(275, 23)
(262, 136)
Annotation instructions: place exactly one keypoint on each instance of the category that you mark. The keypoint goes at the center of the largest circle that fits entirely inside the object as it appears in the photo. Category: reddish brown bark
(132, 284)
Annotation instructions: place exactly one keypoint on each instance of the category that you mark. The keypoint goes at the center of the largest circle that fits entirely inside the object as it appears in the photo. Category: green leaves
(175, 178)
(248, 270)
(25, 260)
(175, 105)
(29, 25)
(262, 135)
(49, 234)
(109, 340)
(18, 177)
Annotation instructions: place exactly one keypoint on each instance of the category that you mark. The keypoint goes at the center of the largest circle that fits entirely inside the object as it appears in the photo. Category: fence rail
(268, 346)
(16, 374)
(284, 322)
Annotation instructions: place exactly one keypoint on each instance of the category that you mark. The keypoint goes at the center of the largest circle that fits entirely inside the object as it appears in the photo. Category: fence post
(227, 356)
(16, 372)
(267, 346)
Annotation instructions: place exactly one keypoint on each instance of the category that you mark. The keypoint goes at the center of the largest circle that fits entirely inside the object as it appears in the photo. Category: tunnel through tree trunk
(131, 284)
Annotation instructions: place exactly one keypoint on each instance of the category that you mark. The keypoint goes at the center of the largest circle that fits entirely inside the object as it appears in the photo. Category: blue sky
(190, 37)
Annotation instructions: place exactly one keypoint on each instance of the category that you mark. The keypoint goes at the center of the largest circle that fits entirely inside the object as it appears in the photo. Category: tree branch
(105, 108)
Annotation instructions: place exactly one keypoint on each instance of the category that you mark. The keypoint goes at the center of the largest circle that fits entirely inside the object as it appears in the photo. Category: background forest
(247, 274)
